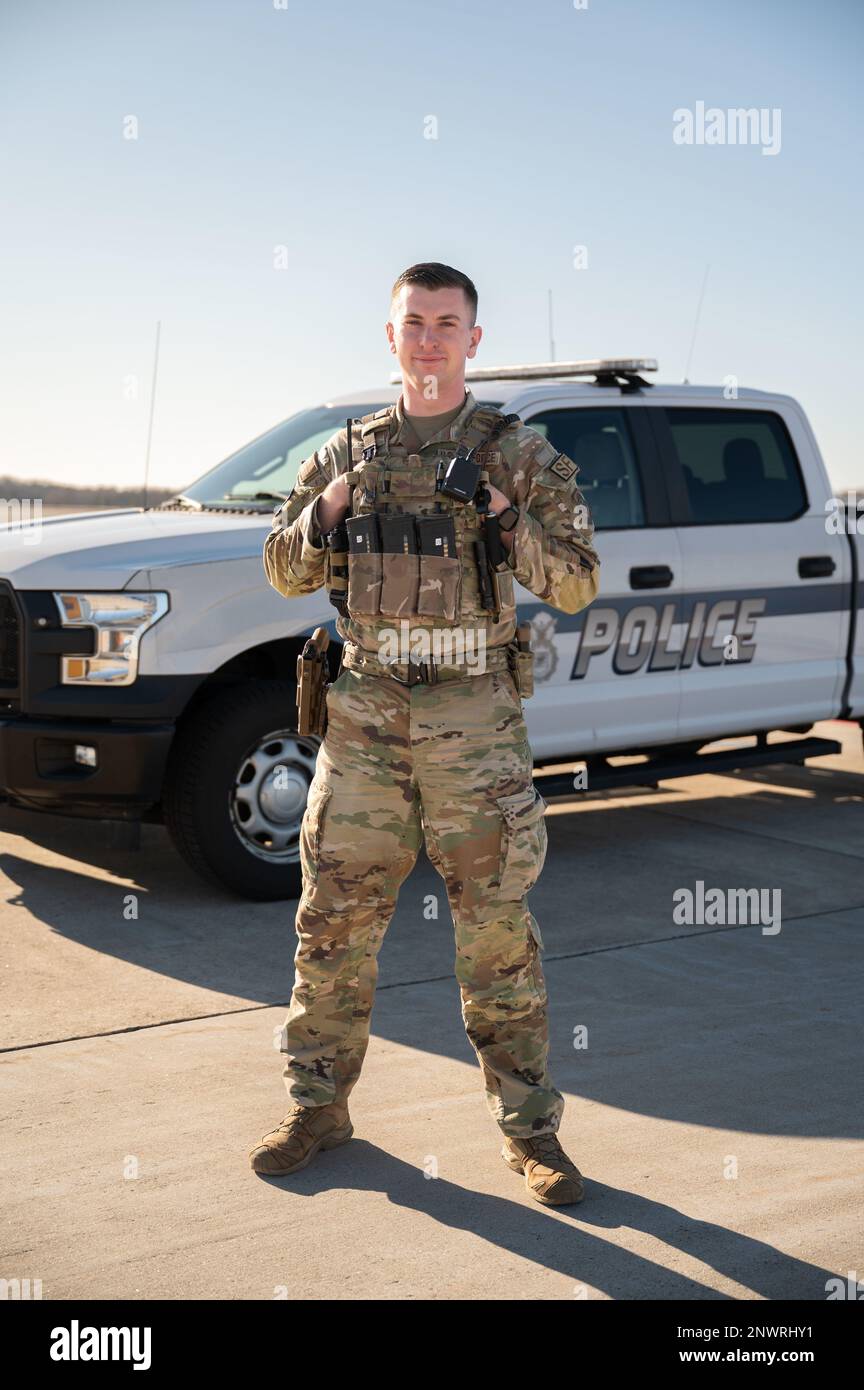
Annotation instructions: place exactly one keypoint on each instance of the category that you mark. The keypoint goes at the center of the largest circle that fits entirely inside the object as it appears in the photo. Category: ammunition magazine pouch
(410, 548)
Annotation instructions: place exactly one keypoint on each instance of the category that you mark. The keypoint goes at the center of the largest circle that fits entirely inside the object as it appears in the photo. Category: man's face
(430, 333)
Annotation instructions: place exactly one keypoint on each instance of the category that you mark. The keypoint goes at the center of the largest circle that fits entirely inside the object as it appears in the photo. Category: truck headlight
(120, 621)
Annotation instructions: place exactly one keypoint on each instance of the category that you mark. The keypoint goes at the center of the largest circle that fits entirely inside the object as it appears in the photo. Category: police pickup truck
(147, 667)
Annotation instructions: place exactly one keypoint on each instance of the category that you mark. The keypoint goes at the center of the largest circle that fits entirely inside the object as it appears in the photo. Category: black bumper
(38, 768)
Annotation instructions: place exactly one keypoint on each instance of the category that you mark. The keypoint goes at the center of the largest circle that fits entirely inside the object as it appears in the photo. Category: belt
(421, 672)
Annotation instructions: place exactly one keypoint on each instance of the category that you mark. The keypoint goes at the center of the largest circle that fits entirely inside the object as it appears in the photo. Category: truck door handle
(650, 577)
(815, 566)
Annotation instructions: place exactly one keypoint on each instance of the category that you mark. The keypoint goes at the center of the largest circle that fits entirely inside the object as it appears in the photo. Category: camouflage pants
(451, 760)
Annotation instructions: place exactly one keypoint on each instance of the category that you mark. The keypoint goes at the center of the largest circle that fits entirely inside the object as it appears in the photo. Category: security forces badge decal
(543, 645)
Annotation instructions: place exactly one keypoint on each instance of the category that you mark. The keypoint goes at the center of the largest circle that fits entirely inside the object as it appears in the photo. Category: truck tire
(235, 790)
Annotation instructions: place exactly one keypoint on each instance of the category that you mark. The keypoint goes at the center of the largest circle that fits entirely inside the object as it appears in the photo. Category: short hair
(435, 276)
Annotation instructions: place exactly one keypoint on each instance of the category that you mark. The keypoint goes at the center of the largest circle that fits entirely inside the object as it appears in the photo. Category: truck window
(270, 463)
(738, 465)
(600, 443)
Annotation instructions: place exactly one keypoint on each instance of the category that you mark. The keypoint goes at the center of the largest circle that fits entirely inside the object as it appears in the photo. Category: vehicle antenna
(696, 325)
(152, 407)
(551, 339)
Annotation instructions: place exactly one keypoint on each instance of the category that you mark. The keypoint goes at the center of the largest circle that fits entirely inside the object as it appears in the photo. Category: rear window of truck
(738, 465)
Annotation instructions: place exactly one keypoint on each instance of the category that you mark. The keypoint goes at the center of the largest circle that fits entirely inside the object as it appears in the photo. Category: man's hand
(333, 504)
(498, 504)
(499, 501)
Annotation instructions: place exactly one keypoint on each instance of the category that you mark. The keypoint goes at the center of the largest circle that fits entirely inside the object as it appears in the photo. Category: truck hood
(105, 550)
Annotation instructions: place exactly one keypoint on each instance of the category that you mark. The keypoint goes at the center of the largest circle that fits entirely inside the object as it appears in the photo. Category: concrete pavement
(714, 1108)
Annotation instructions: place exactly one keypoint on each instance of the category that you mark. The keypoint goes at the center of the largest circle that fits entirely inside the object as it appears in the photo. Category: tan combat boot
(296, 1141)
(550, 1176)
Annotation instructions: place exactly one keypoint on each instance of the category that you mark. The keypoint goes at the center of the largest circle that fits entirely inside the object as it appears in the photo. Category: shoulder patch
(564, 467)
(549, 467)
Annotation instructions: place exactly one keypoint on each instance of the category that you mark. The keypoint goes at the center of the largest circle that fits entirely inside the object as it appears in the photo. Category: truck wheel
(235, 790)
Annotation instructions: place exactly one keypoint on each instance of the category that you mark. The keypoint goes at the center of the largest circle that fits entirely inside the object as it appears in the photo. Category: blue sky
(301, 126)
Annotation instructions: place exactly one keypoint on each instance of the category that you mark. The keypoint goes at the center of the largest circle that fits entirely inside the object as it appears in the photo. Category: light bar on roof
(598, 366)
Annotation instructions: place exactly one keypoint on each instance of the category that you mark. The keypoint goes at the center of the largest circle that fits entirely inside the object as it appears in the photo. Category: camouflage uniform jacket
(550, 540)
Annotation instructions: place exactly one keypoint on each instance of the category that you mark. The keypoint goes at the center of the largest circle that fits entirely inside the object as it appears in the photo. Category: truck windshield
(266, 469)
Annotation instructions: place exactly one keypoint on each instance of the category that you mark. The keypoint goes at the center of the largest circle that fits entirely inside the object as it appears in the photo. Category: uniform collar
(404, 434)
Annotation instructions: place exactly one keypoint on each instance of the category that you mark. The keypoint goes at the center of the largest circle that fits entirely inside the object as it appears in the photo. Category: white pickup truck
(147, 667)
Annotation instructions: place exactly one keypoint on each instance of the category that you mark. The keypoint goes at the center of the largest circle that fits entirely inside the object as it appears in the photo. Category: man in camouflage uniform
(436, 749)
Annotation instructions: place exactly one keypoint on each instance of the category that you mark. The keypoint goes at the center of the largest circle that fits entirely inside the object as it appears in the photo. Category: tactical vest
(426, 569)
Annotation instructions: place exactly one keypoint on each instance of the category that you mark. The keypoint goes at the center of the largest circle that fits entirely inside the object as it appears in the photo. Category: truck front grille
(10, 639)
